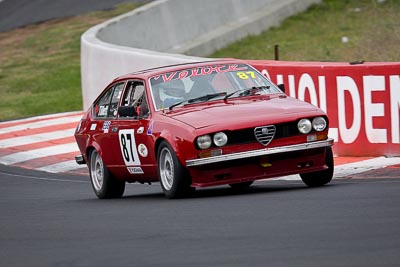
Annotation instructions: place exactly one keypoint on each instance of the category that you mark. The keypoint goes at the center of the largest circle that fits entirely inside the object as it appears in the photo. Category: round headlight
(319, 124)
(204, 141)
(304, 126)
(220, 139)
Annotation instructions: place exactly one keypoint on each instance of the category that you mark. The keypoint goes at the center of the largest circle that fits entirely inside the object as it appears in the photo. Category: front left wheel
(319, 178)
(103, 183)
(241, 186)
(174, 178)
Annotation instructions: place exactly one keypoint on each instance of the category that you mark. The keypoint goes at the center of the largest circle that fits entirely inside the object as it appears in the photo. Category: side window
(106, 106)
(135, 97)
(112, 112)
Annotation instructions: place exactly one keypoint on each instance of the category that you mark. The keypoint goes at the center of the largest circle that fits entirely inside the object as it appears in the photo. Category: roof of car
(168, 68)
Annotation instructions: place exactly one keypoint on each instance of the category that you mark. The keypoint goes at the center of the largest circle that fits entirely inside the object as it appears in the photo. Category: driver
(201, 85)
(174, 92)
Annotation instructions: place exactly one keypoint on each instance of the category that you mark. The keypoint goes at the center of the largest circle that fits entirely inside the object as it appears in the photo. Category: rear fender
(94, 146)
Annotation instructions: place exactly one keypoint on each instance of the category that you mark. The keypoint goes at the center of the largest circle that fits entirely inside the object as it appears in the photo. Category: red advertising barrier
(362, 101)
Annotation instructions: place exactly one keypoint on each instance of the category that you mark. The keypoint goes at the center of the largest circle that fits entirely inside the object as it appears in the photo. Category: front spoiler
(259, 152)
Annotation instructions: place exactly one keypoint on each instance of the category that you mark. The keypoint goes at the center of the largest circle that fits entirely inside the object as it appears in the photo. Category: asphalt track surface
(55, 220)
(18, 13)
(52, 218)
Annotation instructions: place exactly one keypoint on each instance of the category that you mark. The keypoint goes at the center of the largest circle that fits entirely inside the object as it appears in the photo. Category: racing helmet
(174, 92)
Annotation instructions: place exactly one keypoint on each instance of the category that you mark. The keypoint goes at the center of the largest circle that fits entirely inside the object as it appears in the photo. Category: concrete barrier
(159, 33)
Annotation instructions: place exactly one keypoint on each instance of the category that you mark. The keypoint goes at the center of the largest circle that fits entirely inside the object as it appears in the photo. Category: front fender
(179, 136)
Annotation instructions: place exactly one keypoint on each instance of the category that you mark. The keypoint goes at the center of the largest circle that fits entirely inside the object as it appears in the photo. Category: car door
(132, 132)
(104, 118)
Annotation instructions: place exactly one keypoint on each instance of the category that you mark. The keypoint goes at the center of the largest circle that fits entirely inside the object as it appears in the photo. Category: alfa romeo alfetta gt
(199, 125)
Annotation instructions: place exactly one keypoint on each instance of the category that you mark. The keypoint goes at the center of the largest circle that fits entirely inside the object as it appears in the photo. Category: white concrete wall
(172, 27)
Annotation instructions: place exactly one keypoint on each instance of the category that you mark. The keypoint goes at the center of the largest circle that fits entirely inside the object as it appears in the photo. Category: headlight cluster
(318, 124)
(205, 141)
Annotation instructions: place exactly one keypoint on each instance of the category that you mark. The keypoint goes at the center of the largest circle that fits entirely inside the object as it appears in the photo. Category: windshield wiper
(203, 98)
(247, 91)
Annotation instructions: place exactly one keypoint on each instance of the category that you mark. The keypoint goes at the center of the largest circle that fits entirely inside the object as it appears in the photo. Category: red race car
(198, 125)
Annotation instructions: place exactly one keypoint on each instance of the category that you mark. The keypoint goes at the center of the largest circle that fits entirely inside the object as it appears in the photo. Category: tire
(174, 178)
(315, 179)
(103, 183)
(241, 186)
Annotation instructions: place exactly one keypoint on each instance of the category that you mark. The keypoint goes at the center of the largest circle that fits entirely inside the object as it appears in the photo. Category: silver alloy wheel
(97, 171)
(166, 168)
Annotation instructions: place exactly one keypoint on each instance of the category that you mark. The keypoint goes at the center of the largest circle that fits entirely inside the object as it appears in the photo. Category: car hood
(244, 113)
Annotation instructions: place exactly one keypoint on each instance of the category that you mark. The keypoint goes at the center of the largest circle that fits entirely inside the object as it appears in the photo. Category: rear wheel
(174, 178)
(319, 178)
(103, 183)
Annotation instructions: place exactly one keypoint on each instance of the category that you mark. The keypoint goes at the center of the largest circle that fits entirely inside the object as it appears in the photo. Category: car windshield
(205, 83)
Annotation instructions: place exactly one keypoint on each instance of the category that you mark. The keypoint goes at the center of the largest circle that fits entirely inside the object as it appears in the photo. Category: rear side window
(135, 97)
(107, 105)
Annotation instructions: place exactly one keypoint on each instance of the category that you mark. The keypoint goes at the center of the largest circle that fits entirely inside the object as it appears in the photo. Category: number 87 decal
(246, 75)
(128, 147)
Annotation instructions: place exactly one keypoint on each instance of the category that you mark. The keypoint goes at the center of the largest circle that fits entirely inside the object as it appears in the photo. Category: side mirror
(127, 111)
(282, 87)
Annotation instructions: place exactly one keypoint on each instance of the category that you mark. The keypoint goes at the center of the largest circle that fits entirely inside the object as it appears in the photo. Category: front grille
(265, 134)
(247, 135)
(243, 136)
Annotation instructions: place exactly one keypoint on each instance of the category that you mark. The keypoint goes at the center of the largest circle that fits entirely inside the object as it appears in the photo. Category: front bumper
(259, 152)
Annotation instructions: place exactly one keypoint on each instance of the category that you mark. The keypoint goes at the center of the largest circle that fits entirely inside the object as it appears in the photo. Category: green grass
(40, 64)
(373, 30)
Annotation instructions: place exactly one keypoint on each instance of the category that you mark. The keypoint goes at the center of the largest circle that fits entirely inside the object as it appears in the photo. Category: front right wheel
(319, 178)
(174, 178)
